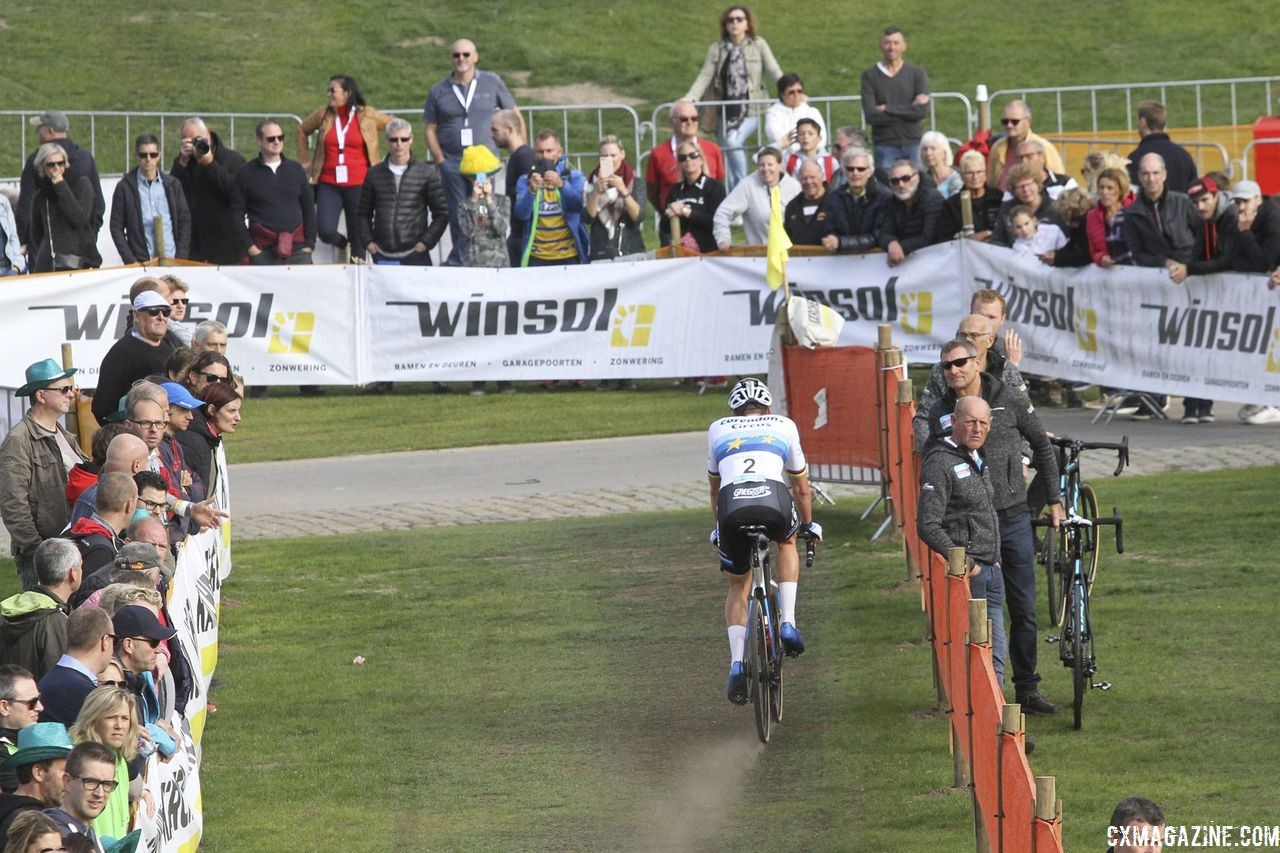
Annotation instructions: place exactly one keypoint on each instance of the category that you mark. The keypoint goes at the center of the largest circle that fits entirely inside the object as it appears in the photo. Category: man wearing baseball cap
(1258, 247)
(52, 126)
(141, 352)
(39, 763)
(34, 460)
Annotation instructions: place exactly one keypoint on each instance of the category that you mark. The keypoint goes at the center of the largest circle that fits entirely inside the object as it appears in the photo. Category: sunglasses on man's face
(279, 138)
(956, 363)
(148, 155)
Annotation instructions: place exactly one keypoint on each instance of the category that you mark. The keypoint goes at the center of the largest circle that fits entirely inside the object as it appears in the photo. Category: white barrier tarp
(1212, 337)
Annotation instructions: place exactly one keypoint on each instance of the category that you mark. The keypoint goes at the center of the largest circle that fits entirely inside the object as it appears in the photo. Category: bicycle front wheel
(758, 657)
(1079, 665)
(1089, 541)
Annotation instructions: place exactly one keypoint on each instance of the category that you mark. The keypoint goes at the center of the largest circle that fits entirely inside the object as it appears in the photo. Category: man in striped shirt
(549, 199)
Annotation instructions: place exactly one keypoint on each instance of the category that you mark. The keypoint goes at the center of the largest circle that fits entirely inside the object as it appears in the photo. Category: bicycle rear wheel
(1079, 665)
(775, 660)
(1089, 540)
(758, 658)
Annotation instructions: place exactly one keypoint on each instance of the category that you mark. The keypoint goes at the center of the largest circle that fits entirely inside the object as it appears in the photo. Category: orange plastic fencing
(1003, 787)
(832, 397)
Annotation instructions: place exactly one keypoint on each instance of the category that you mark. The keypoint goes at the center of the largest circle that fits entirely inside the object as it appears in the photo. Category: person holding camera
(206, 169)
(550, 199)
(614, 203)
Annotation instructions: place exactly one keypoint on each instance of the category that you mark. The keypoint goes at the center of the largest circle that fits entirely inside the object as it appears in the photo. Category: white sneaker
(1264, 415)
(1247, 412)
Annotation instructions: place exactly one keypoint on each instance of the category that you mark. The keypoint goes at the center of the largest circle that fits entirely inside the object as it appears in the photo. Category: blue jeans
(732, 143)
(331, 201)
(1018, 565)
(989, 584)
(886, 155)
(455, 190)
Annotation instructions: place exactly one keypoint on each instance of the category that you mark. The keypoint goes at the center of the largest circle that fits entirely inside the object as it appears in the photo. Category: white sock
(737, 642)
(787, 601)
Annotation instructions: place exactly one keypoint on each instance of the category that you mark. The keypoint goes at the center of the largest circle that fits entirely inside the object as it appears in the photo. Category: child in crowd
(1032, 237)
(484, 219)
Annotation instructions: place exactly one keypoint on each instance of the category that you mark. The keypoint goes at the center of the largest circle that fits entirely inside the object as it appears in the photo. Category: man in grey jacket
(956, 511)
(1014, 422)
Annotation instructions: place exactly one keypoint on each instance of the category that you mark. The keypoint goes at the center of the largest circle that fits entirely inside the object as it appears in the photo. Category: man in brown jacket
(34, 460)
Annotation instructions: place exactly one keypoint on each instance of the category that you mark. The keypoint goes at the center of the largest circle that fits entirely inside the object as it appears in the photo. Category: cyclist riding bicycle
(747, 457)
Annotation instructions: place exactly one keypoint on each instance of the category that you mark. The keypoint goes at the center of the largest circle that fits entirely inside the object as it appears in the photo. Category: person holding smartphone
(614, 201)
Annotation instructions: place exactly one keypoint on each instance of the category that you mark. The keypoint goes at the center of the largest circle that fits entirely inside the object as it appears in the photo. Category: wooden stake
(884, 339)
(906, 391)
(956, 563)
(1046, 790)
(1011, 720)
(979, 629)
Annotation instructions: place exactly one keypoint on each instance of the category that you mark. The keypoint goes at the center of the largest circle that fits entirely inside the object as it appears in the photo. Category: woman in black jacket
(61, 234)
(693, 201)
(220, 415)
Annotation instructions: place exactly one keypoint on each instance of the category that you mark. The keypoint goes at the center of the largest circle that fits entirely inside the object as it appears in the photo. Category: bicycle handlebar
(1121, 447)
(809, 547)
(1115, 521)
(758, 532)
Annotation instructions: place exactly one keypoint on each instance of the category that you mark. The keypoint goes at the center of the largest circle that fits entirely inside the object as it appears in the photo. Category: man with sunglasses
(913, 215)
(856, 211)
(19, 707)
(1004, 151)
(663, 170)
(457, 115)
(88, 781)
(143, 194)
(402, 212)
(1014, 424)
(35, 458)
(273, 208)
(33, 624)
(141, 352)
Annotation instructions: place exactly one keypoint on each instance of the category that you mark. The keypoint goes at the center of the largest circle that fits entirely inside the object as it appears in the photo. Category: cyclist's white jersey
(754, 447)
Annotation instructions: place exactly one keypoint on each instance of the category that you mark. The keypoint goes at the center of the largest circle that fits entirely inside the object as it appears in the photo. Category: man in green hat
(39, 763)
(34, 460)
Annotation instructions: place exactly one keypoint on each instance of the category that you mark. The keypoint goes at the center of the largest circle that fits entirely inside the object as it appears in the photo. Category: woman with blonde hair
(694, 201)
(934, 157)
(109, 716)
(33, 832)
(1105, 223)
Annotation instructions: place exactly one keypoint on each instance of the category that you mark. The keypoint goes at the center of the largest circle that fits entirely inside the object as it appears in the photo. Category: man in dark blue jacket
(143, 194)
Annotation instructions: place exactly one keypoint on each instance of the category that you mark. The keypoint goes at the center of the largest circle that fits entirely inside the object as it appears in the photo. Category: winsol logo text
(480, 317)
(879, 303)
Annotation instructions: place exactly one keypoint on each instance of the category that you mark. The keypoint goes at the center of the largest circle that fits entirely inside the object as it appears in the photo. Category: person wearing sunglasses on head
(61, 232)
(143, 194)
(856, 211)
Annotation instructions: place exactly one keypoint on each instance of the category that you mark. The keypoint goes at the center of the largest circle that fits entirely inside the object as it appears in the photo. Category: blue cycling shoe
(792, 642)
(738, 685)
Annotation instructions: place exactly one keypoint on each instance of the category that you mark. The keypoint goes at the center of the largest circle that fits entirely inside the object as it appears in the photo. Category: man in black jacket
(911, 221)
(1013, 421)
(52, 126)
(1160, 226)
(143, 194)
(956, 511)
(207, 170)
(402, 213)
(274, 195)
(856, 211)
(1151, 124)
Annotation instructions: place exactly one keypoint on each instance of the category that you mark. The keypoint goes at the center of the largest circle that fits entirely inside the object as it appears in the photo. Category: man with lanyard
(457, 115)
(747, 455)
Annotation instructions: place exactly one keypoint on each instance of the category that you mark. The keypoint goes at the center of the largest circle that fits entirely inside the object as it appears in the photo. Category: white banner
(1213, 337)
(292, 325)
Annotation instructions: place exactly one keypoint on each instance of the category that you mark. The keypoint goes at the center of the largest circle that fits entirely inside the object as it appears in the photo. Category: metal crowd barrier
(103, 132)
(1108, 106)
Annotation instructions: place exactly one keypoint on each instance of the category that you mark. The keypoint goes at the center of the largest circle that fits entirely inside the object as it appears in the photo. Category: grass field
(560, 686)
(287, 426)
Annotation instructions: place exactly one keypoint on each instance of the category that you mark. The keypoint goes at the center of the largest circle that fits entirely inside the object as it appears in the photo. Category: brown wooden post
(979, 628)
(884, 336)
(1046, 791)
(157, 223)
(966, 212)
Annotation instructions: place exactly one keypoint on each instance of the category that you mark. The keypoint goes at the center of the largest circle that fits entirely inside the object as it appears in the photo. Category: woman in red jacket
(1105, 223)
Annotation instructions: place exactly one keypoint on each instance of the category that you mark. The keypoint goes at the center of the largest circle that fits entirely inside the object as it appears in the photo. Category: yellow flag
(775, 274)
